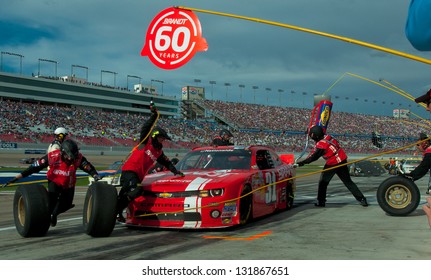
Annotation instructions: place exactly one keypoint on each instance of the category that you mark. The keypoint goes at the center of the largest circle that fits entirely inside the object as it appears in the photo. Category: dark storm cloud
(110, 34)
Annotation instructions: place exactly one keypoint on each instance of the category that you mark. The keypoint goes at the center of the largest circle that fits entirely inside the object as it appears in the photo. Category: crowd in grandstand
(280, 127)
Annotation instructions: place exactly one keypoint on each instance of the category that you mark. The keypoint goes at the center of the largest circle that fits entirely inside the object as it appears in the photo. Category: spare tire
(31, 210)
(100, 213)
(398, 196)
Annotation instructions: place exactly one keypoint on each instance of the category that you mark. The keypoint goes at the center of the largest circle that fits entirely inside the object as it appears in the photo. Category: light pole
(212, 83)
(158, 81)
(279, 96)
(72, 74)
(227, 85)
(240, 96)
(105, 71)
(131, 76)
(303, 99)
(13, 54)
(254, 93)
(47, 60)
(267, 96)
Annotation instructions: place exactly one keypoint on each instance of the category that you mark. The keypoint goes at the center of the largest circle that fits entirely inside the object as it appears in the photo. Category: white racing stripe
(194, 203)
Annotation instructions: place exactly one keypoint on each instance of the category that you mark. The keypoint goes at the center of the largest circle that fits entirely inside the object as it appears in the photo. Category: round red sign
(173, 37)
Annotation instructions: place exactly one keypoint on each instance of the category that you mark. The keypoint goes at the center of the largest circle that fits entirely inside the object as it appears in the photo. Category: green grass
(308, 168)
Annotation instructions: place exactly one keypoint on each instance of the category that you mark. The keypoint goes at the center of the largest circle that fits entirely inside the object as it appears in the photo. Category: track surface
(343, 230)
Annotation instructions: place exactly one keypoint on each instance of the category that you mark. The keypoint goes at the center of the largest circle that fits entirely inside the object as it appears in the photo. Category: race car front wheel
(398, 196)
(99, 214)
(246, 205)
(31, 210)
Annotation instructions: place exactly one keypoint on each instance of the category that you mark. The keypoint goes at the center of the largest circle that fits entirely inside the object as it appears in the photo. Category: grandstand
(110, 119)
(77, 93)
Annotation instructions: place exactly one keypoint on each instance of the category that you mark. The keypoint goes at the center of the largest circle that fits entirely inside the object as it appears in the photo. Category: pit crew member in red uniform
(425, 99)
(159, 168)
(425, 164)
(422, 169)
(329, 148)
(61, 176)
(223, 139)
(141, 160)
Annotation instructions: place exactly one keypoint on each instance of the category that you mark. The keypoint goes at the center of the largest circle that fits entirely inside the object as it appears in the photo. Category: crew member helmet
(60, 130)
(60, 133)
(69, 150)
(422, 136)
(160, 132)
(425, 144)
(316, 133)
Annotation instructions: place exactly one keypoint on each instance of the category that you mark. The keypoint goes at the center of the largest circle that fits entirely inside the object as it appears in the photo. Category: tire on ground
(99, 214)
(398, 196)
(31, 210)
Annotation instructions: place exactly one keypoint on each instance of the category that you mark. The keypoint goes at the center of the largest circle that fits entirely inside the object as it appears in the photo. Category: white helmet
(60, 130)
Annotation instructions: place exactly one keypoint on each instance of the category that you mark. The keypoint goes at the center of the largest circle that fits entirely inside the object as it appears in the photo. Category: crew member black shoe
(363, 202)
(319, 204)
(121, 218)
(53, 220)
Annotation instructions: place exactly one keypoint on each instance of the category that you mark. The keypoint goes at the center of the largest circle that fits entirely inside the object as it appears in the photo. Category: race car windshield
(216, 160)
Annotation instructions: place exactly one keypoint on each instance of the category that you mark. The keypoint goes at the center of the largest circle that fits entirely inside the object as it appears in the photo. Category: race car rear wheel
(100, 204)
(31, 210)
(398, 196)
(290, 196)
(246, 205)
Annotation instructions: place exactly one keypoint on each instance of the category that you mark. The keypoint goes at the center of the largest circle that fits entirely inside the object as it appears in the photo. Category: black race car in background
(366, 168)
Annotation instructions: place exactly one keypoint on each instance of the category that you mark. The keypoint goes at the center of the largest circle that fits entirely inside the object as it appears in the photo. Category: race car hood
(166, 181)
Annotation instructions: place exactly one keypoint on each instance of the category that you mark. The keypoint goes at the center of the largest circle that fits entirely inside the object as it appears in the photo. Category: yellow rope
(345, 39)
(116, 173)
(136, 147)
(288, 179)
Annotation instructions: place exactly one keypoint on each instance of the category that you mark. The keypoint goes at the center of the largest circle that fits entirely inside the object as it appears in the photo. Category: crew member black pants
(343, 173)
(60, 199)
(129, 190)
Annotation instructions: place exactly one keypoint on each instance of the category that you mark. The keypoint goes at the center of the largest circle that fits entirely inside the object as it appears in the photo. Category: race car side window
(275, 159)
(263, 160)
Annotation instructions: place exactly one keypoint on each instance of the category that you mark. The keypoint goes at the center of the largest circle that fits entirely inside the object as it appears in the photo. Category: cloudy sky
(286, 65)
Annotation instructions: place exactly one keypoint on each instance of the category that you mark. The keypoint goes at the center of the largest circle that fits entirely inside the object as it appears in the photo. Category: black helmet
(316, 133)
(70, 149)
(225, 132)
(158, 131)
(422, 136)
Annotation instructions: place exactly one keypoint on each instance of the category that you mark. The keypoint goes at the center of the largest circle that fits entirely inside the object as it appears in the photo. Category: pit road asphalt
(343, 230)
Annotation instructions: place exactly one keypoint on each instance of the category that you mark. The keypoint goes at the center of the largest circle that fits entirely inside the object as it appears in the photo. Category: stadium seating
(280, 127)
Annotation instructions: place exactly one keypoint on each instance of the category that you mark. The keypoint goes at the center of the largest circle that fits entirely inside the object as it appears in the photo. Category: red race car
(222, 187)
